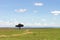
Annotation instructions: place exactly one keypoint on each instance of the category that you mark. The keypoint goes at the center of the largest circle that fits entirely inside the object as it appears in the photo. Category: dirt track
(13, 35)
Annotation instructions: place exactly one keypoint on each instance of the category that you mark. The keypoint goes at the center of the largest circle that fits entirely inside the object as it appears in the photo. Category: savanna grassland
(30, 34)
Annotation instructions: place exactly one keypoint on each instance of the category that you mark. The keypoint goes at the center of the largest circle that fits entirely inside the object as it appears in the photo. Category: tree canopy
(19, 25)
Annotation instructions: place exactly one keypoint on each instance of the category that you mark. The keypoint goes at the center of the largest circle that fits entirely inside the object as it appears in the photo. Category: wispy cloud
(20, 10)
(38, 4)
(32, 24)
(3, 23)
(56, 12)
(10, 24)
(7, 23)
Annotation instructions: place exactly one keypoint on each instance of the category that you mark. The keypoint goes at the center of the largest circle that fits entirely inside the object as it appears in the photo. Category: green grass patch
(37, 34)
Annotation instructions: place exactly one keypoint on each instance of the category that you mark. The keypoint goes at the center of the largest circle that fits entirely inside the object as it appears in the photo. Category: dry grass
(13, 35)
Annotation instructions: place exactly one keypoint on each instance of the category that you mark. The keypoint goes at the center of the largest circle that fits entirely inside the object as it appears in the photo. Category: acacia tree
(19, 25)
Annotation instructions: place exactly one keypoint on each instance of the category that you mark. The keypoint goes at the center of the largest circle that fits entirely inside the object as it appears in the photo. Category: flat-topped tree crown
(19, 25)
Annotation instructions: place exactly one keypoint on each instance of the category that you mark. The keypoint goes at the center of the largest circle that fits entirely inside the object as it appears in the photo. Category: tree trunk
(19, 27)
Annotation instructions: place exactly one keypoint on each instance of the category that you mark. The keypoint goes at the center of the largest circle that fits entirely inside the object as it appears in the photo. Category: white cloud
(40, 24)
(37, 24)
(32, 24)
(56, 12)
(38, 4)
(45, 24)
(3, 23)
(20, 10)
(53, 24)
(7, 24)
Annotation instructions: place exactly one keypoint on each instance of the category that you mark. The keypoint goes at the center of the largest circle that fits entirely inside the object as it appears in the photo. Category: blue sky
(30, 12)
